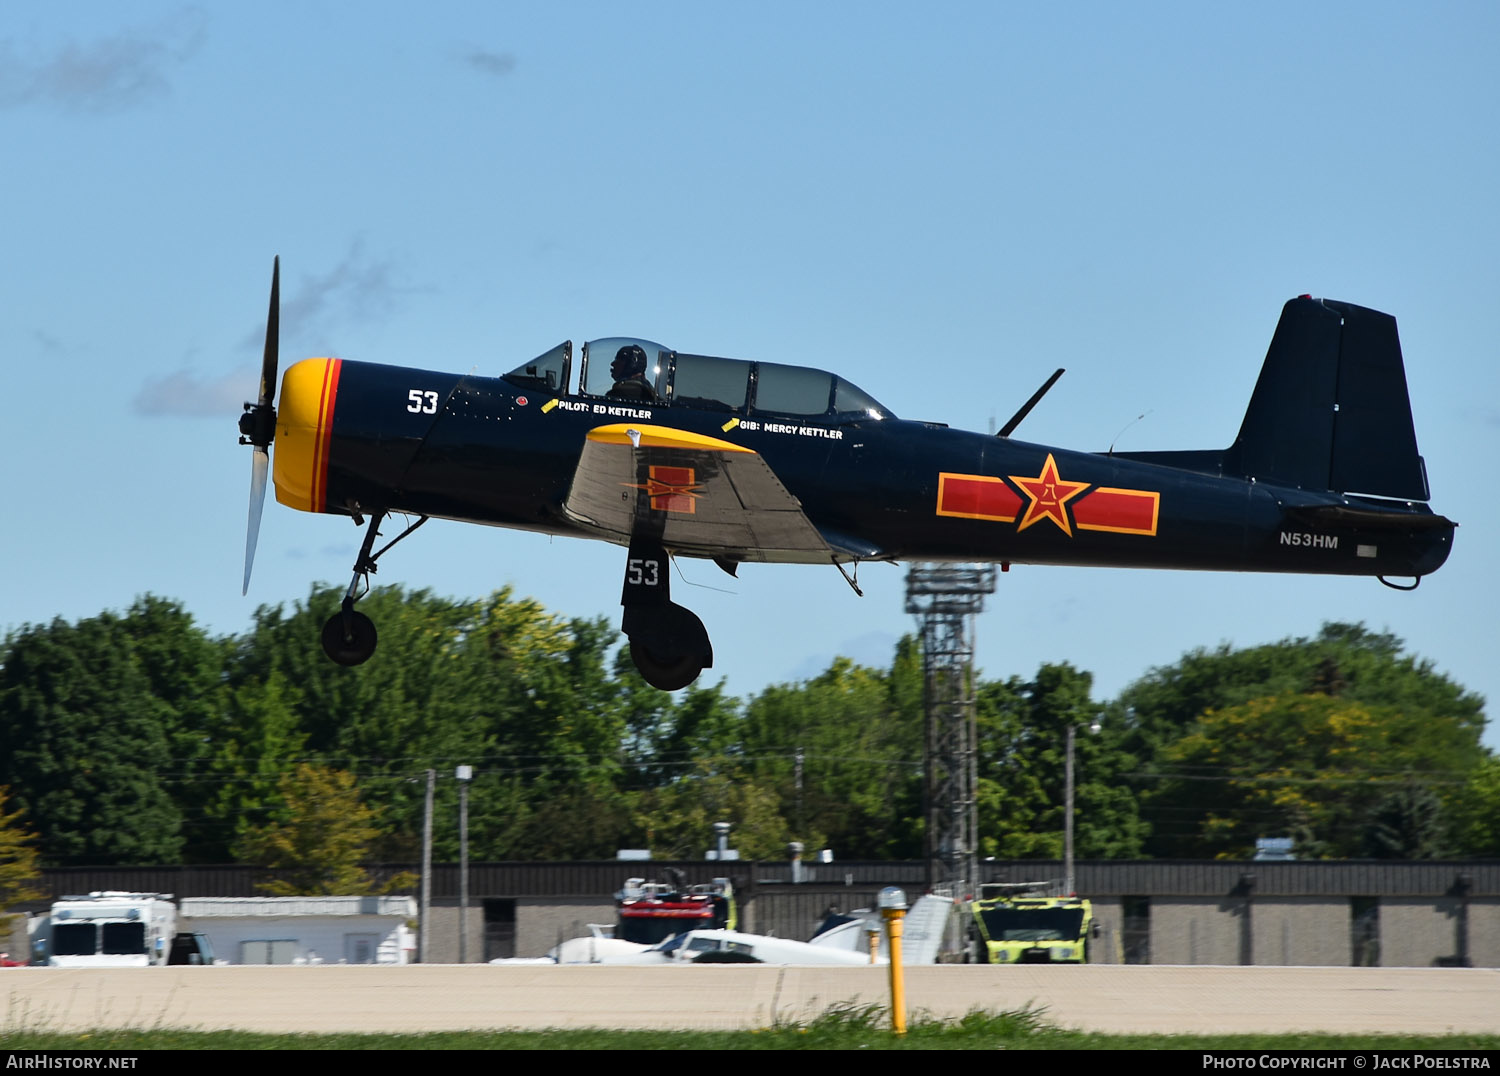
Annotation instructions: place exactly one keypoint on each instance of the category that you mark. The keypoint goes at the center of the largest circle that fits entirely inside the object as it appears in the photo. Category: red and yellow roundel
(304, 431)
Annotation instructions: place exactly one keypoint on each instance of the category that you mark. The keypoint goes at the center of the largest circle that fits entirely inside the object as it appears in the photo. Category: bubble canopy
(702, 382)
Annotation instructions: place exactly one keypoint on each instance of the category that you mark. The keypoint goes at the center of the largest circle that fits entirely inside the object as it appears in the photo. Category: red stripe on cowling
(325, 434)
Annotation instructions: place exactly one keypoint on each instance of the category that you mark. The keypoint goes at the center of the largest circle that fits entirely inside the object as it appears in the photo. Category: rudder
(1331, 410)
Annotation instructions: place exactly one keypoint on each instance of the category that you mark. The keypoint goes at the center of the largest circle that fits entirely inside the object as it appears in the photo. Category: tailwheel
(665, 673)
(349, 637)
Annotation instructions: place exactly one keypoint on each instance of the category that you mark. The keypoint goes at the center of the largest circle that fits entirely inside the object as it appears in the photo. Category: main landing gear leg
(349, 637)
(668, 643)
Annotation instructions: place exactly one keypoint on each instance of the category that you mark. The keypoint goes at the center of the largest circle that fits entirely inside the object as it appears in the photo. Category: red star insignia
(1048, 494)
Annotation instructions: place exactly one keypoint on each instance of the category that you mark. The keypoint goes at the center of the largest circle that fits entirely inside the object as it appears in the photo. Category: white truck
(113, 929)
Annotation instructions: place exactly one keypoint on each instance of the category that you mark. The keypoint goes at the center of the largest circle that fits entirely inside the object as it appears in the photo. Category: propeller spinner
(258, 423)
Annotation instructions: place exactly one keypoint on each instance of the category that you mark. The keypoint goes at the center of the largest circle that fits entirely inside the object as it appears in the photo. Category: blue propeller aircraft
(674, 454)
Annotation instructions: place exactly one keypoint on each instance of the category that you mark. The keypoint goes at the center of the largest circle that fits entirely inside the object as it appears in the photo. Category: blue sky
(943, 205)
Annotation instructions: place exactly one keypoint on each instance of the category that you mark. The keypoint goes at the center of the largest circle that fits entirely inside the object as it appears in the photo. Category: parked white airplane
(921, 935)
(845, 944)
(598, 947)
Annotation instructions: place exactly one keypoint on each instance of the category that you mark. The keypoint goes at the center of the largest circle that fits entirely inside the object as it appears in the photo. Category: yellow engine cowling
(304, 432)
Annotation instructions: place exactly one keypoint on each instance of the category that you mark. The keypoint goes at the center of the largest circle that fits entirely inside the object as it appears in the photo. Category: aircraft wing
(697, 494)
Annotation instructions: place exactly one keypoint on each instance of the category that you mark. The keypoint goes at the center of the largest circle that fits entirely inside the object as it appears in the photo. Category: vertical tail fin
(922, 935)
(1331, 410)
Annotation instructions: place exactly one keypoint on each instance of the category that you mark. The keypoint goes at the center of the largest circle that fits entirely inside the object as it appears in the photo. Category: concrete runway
(445, 997)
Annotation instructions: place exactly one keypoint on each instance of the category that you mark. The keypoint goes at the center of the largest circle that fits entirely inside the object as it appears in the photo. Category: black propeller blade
(258, 423)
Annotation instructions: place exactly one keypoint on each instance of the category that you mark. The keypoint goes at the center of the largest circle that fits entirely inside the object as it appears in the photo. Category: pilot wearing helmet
(629, 372)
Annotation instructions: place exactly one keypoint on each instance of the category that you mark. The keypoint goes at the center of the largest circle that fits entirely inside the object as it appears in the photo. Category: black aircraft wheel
(664, 673)
(726, 956)
(349, 638)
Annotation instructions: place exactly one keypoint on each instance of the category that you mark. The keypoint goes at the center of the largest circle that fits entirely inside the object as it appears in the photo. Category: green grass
(838, 1028)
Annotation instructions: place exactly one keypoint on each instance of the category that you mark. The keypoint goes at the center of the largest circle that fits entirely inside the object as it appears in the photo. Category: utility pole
(1070, 883)
(1068, 886)
(464, 775)
(425, 934)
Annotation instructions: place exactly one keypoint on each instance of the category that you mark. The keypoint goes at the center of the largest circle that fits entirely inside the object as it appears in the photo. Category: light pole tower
(946, 597)
(464, 774)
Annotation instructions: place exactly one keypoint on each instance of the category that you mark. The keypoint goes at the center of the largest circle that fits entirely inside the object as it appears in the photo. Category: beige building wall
(13, 937)
(1415, 932)
(1108, 947)
(1195, 931)
(1484, 932)
(1286, 931)
(443, 946)
(1313, 931)
(542, 922)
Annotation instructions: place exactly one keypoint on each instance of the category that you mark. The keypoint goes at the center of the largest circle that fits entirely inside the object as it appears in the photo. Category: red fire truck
(652, 912)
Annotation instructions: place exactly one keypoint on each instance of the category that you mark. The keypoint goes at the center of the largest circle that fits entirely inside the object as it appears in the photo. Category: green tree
(412, 701)
(1168, 723)
(665, 737)
(1344, 660)
(416, 704)
(319, 838)
(1311, 766)
(20, 865)
(676, 821)
(843, 757)
(1406, 823)
(183, 668)
(524, 696)
(1022, 769)
(551, 713)
(254, 740)
(99, 721)
(1476, 812)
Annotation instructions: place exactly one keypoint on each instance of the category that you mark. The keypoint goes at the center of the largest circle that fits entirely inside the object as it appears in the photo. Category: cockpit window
(793, 390)
(710, 384)
(853, 401)
(628, 368)
(548, 371)
(624, 367)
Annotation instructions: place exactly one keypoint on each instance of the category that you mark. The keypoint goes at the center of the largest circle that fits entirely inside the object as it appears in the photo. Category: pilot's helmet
(630, 361)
